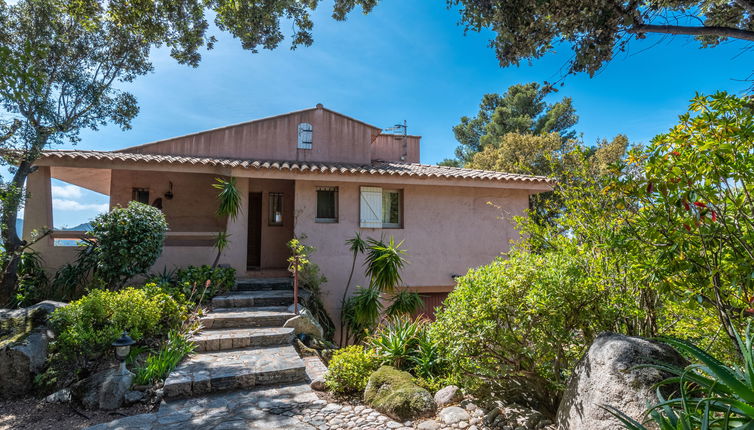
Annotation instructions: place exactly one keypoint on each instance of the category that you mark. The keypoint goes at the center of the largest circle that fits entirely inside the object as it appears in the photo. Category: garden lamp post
(122, 348)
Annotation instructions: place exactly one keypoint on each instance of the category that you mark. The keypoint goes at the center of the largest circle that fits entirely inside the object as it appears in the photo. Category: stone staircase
(243, 343)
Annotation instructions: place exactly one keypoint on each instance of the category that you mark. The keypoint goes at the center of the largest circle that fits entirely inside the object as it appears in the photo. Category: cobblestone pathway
(282, 408)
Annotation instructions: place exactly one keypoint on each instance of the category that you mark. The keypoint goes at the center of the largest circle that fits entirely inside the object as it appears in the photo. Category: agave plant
(712, 395)
(395, 342)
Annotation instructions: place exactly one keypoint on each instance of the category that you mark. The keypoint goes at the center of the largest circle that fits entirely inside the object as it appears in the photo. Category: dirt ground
(32, 413)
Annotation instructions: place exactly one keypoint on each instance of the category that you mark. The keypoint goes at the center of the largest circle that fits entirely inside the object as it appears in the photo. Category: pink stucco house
(313, 172)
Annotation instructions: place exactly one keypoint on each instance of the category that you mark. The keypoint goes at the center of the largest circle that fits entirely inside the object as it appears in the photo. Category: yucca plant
(405, 303)
(384, 263)
(361, 312)
(228, 197)
(229, 205)
(712, 395)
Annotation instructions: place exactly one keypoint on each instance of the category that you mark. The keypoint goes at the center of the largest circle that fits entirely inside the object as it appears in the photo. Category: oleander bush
(349, 370)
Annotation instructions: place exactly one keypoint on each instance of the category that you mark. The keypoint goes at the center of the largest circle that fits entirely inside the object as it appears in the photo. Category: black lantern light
(122, 348)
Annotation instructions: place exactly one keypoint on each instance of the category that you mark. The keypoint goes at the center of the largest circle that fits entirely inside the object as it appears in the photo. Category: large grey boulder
(104, 390)
(606, 376)
(305, 323)
(23, 346)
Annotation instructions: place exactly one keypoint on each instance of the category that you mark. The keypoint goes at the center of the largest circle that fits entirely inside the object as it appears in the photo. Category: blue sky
(409, 60)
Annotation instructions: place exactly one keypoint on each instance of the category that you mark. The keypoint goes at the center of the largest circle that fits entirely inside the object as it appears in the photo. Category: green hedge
(89, 325)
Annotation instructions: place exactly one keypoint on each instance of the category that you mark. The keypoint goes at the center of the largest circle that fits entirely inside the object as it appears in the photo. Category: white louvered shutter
(371, 207)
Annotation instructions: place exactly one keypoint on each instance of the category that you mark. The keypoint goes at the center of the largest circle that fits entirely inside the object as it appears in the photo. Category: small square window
(275, 217)
(327, 204)
(391, 208)
(140, 195)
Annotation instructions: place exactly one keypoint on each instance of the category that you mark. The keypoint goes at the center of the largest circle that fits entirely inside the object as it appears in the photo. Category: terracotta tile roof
(376, 168)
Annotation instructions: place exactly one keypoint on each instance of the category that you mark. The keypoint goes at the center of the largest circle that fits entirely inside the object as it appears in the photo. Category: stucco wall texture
(446, 231)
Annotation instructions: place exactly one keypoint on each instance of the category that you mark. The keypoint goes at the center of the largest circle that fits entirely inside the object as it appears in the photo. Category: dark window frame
(336, 204)
(270, 210)
(399, 224)
(138, 195)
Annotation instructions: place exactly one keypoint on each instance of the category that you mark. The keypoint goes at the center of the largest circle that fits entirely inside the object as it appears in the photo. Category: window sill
(326, 220)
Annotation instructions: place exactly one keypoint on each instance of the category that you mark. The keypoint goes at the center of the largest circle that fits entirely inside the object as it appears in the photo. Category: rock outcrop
(23, 346)
(394, 393)
(305, 323)
(606, 376)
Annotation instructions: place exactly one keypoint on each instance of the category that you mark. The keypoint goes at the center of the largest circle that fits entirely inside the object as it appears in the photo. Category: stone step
(270, 316)
(263, 284)
(235, 369)
(225, 339)
(245, 299)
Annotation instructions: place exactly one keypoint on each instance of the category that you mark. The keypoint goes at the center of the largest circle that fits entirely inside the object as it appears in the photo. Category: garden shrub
(515, 328)
(192, 280)
(128, 241)
(349, 370)
(89, 325)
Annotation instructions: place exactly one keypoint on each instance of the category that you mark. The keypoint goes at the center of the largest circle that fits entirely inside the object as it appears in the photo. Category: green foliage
(384, 263)
(395, 342)
(89, 325)
(357, 246)
(520, 110)
(57, 77)
(349, 370)
(201, 283)
(687, 200)
(159, 364)
(128, 241)
(312, 279)
(228, 197)
(395, 393)
(712, 394)
(404, 303)
(595, 32)
(530, 318)
(362, 311)
(32, 280)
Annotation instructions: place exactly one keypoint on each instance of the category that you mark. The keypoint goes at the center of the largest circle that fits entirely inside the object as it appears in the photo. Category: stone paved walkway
(280, 408)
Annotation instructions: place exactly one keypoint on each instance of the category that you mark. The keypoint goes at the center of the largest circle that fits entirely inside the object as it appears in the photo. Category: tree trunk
(345, 296)
(12, 243)
(722, 313)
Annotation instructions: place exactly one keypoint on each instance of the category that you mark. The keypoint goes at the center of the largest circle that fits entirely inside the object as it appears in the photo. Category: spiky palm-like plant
(229, 205)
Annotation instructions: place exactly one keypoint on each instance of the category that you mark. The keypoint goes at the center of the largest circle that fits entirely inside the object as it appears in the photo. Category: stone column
(38, 206)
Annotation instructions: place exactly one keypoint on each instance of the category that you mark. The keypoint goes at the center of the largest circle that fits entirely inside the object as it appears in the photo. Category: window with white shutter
(305, 136)
(371, 207)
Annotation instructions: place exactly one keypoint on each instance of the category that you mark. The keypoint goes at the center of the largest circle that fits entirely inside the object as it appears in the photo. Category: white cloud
(66, 191)
(73, 205)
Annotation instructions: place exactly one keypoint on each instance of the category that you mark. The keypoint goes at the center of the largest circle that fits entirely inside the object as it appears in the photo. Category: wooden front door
(254, 251)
